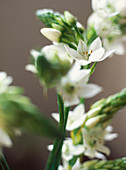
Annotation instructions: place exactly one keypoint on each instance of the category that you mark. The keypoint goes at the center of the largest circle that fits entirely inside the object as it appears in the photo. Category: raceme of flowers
(67, 65)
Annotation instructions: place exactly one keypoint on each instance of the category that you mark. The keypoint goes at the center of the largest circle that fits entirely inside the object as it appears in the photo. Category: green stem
(55, 155)
(3, 162)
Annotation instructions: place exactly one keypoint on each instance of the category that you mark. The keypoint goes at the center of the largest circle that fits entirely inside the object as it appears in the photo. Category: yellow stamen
(83, 52)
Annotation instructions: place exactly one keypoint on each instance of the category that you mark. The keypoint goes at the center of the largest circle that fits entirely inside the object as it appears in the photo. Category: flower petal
(73, 53)
(55, 116)
(97, 55)
(89, 90)
(82, 47)
(107, 54)
(96, 44)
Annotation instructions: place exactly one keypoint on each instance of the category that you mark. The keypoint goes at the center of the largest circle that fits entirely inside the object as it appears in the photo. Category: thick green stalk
(3, 162)
(55, 155)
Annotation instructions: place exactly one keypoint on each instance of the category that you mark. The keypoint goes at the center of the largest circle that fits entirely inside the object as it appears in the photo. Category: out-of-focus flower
(85, 55)
(74, 85)
(50, 64)
(94, 139)
(75, 118)
(5, 81)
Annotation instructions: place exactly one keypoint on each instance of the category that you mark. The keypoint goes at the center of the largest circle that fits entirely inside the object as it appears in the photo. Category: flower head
(94, 139)
(74, 85)
(85, 55)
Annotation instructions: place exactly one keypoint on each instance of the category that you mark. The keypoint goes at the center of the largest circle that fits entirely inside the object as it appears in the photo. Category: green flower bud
(70, 19)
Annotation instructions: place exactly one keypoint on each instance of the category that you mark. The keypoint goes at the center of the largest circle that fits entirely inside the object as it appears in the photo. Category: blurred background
(19, 32)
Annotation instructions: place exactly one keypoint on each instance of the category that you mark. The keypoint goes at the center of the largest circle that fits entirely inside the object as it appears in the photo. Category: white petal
(76, 124)
(89, 90)
(96, 44)
(103, 149)
(107, 54)
(83, 62)
(50, 147)
(79, 110)
(74, 100)
(35, 54)
(55, 116)
(73, 53)
(82, 47)
(110, 137)
(100, 156)
(5, 139)
(31, 68)
(97, 55)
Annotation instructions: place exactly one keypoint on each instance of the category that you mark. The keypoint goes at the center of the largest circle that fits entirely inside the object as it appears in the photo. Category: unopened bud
(51, 33)
(57, 27)
(93, 112)
(92, 122)
(70, 19)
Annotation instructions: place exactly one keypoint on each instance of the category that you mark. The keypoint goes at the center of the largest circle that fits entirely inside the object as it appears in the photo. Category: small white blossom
(94, 139)
(5, 81)
(85, 55)
(69, 150)
(75, 118)
(74, 85)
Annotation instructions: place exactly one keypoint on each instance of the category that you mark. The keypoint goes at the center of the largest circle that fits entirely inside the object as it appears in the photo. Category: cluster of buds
(117, 164)
(62, 28)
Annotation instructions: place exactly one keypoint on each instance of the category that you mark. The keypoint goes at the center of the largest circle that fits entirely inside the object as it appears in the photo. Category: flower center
(87, 54)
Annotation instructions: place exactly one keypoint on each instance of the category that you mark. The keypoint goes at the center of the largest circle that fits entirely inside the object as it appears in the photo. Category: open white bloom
(94, 140)
(75, 118)
(85, 55)
(5, 81)
(69, 150)
(65, 166)
(4, 139)
(74, 85)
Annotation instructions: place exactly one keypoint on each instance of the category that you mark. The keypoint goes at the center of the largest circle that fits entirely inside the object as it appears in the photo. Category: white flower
(103, 9)
(115, 43)
(4, 139)
(74, 85)
(5, 81)
(94, 140)
(52, 53)
(85, 55)
(75, 118)
(51, 33)
(69, 150)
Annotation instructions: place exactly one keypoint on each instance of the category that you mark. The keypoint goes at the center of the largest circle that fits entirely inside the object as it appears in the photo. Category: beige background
(19, 32)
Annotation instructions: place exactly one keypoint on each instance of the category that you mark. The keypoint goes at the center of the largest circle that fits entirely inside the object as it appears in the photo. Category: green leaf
(17, 112)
